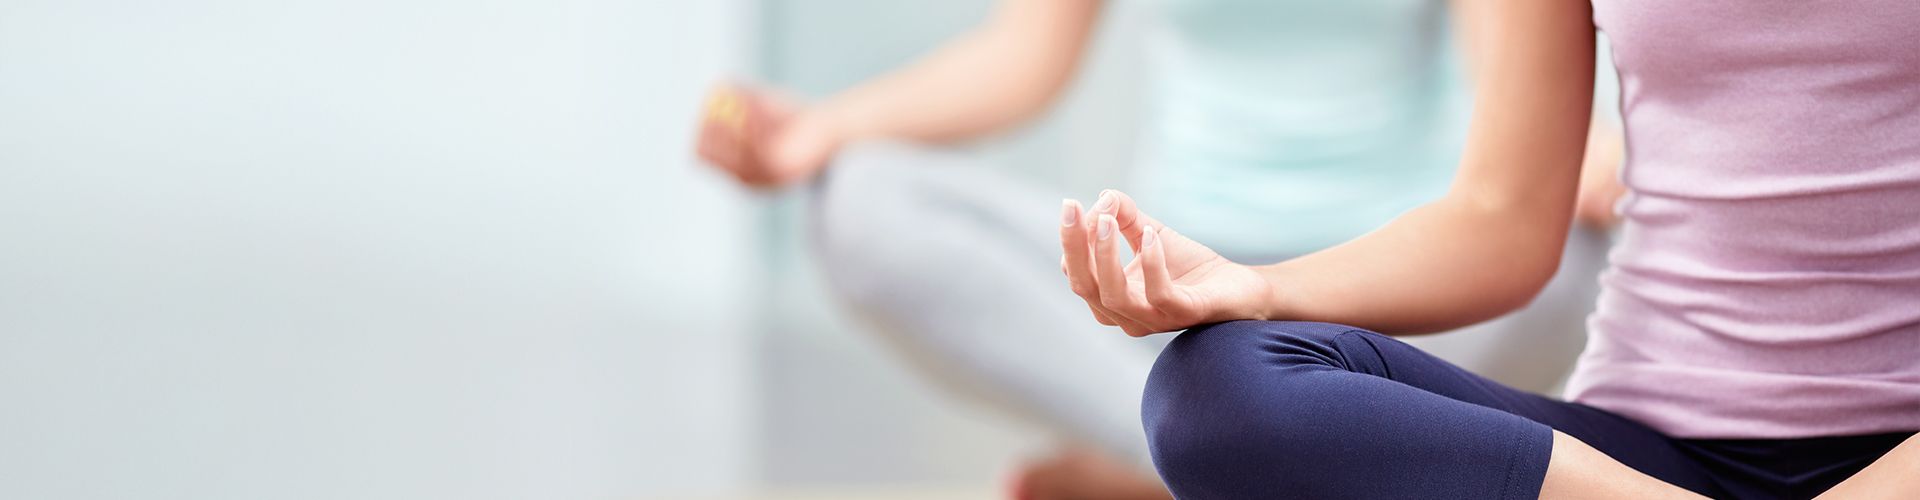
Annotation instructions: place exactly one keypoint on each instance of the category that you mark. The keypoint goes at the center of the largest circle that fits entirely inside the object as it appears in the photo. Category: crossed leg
(1895, 475)
(1254, 409)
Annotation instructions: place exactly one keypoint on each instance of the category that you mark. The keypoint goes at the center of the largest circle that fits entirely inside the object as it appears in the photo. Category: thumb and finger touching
(1142, 297)
(1126, 213)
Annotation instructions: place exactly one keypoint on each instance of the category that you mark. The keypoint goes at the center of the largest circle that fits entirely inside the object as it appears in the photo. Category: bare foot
(1081, 474)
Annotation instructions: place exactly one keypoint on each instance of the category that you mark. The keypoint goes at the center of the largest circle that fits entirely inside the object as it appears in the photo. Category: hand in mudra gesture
(1171, 284)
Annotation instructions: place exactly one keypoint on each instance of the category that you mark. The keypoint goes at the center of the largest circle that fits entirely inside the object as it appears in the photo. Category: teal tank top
(1280, 127)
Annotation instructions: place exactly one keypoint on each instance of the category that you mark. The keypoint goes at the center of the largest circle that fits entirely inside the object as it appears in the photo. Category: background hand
(1172, 283)
(763, 138)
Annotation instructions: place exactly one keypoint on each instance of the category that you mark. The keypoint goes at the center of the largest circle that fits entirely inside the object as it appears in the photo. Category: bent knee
(856, 217)
(1214, 364)
(847, 197)
(868, 219)
(871, 191)
(1225, 351)
(1233, 362)
(1222, 393)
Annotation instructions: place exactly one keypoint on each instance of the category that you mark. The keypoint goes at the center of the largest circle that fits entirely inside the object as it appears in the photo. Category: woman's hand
(764, 139)
(1172, 283)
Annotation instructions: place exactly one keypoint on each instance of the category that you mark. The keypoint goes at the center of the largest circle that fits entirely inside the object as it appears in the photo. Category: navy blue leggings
(1264, 409)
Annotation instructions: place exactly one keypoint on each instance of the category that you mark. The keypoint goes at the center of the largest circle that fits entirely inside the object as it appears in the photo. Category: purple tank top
(1767, 282)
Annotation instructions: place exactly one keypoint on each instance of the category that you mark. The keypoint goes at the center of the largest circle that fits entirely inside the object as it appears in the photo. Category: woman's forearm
(1436, 268)
(996, 76)
(1495, 239)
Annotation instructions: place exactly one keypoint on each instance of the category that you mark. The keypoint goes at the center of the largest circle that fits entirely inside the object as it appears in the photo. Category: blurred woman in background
(1757, 336)
(1276, 129)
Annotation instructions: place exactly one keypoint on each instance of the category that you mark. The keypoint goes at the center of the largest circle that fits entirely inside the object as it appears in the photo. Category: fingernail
(1069, 212)
(1106, 227)
(1147, 236)
(1106, 202)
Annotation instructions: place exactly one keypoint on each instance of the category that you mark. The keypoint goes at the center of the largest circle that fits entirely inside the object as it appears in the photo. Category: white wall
(368, 249)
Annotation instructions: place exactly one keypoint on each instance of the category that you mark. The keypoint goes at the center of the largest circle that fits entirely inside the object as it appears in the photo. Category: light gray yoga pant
(958, 268)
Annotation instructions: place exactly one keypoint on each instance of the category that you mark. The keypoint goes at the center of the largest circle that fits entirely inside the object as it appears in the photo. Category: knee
(1224, 394)
(1212, 368)
(1206, 360)
(846, 197)
(860, 224)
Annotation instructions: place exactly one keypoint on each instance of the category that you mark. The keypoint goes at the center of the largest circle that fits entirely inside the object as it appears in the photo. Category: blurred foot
(1081, 474)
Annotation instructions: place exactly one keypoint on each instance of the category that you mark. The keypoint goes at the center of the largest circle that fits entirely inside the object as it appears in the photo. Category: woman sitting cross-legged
(1758, 334)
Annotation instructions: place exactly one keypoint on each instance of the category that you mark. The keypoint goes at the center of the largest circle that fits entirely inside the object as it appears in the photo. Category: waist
(1809, 267)
(1711, 403)
(1708, 352)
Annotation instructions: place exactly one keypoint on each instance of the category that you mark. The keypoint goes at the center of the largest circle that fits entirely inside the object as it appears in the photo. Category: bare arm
(998, 75)
(1483, 249)
(1494, 239)
(1600, 186)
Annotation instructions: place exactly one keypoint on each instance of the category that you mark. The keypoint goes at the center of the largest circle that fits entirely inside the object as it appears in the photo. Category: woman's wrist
(806, 143)
(1273, 303)
(833, 120)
